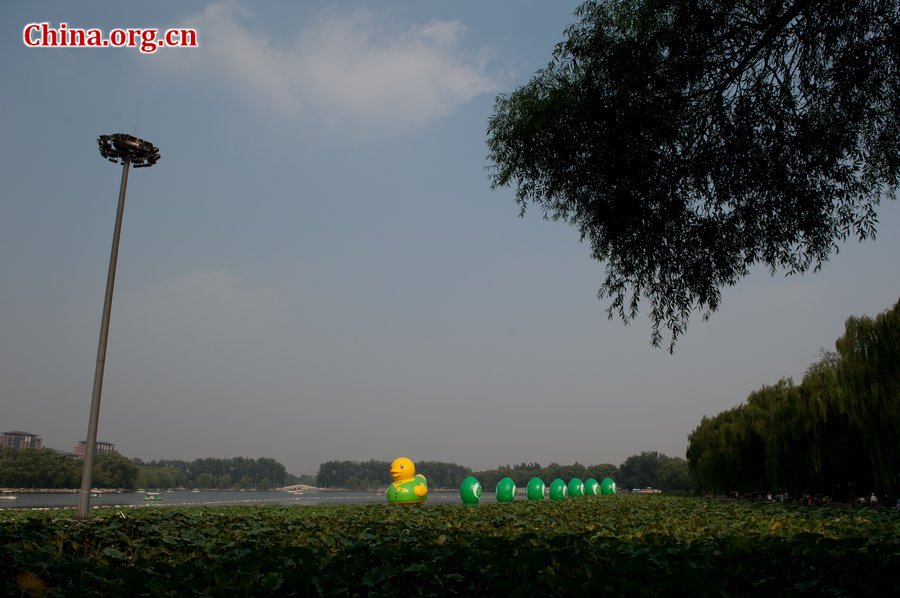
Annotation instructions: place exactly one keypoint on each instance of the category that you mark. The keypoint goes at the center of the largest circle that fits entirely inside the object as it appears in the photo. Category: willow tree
(837, 432)
(790, 420)
(869, 378)
(837, 442)
(726, 453)
(688, 140)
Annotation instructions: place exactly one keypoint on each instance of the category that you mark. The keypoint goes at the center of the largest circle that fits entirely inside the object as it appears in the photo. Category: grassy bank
(640, 545)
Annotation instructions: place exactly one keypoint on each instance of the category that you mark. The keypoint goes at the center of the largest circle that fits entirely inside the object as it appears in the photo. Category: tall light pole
(130, 151)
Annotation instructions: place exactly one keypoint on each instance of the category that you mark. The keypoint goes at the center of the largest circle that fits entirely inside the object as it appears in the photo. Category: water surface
(41, 500)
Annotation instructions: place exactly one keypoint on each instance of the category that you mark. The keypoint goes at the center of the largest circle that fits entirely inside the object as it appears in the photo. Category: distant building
(21, 440)
(103, 448)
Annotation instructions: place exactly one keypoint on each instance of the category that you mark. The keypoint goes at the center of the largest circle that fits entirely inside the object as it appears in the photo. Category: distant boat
(7, 495)
(152, 496)
(647, 490)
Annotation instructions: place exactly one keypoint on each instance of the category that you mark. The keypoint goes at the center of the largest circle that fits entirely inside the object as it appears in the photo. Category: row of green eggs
(470, 489)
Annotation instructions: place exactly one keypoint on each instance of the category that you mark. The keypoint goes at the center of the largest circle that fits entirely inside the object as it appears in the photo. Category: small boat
(7, 495)
(152, 496)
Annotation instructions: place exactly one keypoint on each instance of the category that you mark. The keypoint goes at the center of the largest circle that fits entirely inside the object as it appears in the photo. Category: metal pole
(84, 496)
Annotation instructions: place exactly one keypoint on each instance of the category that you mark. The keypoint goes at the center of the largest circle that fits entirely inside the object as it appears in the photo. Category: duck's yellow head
(402, 469)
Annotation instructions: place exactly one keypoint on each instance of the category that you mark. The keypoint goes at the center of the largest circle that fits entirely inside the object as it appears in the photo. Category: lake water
(36, 500)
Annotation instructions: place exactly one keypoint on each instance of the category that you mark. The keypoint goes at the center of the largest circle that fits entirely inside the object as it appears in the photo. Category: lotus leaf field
(632, 545)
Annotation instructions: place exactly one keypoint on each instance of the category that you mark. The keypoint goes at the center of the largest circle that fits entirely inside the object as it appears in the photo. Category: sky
(318, 268)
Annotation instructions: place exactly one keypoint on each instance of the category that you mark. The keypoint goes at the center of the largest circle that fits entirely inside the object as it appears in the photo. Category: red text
(148, 41)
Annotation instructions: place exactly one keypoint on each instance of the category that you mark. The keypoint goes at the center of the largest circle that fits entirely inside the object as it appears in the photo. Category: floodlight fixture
(128, 151)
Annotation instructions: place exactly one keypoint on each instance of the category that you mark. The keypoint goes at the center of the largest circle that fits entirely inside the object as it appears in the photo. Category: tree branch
(776, 27)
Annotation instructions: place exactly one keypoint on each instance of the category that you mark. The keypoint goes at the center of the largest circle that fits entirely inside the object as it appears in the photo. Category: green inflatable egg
(536, 489)
(591, 487)
(506, 490)
(607, 486)
(576, 487)
(470, 491)
(558, 490)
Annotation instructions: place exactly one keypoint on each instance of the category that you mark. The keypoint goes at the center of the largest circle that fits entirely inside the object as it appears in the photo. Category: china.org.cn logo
(147, 40)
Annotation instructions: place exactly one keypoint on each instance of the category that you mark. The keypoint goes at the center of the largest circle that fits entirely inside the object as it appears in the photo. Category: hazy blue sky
(318, 269)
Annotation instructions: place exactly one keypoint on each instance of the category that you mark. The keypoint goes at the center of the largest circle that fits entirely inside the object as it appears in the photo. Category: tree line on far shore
(836, 433)
(46, 468)
(648, 469)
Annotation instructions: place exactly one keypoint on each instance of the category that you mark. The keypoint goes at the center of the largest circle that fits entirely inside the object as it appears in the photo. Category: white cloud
(345, 70)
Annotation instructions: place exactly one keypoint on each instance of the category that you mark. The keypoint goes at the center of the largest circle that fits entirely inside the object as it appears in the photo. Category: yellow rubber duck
(408, 487)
